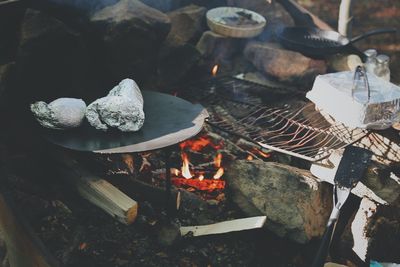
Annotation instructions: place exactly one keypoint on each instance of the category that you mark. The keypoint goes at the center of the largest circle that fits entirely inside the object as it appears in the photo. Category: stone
(52, 60)
(130, 36)
(122, 108)
(376, 232)
(178, 55)
(187, 25)
(296, 204)
(284, 65)
(62, 113)
(168, 235)
(217, 47)
(163, 6)
(86, 7)
(176, 62)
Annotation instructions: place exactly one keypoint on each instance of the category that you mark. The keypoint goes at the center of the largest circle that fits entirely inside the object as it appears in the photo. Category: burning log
(224, 227)
(99, 192)
(208, 185)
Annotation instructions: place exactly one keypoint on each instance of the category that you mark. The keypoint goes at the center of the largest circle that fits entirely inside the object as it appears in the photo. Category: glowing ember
(201, 177)
(218, 160)
(198, 144)
(175, 171)
(219, 173)
(249, 157)
(204, 185)
(261, 153)
(185, 167)
(214, 70)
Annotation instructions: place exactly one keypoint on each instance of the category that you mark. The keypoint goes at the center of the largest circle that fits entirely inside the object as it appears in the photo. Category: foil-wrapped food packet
(357, 99)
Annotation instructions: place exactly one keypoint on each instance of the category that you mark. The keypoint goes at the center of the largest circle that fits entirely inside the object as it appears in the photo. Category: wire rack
(295, 128)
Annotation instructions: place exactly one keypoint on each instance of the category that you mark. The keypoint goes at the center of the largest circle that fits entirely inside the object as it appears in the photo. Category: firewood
(225, 227)
(98, 191)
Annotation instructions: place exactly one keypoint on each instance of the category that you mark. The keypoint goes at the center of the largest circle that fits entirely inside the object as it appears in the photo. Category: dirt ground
(367, 15)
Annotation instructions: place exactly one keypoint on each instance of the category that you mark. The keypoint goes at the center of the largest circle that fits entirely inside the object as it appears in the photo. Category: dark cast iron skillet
(314, 42)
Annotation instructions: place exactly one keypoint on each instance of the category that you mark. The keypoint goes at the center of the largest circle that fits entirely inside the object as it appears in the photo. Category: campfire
(178, 121)
(203, 177)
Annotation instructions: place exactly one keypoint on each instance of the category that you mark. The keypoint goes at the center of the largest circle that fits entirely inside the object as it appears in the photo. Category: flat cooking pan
(315, 42)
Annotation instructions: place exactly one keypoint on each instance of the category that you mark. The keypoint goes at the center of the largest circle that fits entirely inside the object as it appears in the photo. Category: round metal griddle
(169, 120)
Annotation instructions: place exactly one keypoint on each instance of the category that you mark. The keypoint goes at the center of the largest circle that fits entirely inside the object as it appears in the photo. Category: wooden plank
(225, 227)
(98, 191)
(108, 198)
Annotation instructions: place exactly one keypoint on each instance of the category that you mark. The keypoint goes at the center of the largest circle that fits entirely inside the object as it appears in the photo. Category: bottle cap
(370, 53)
(382, 59)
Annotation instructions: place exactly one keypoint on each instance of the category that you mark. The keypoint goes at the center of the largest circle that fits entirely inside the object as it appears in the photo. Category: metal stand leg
(168, 181)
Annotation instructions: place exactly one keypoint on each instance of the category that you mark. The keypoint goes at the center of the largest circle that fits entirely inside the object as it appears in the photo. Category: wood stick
(98, 191)
(225, 227)
(344, 19)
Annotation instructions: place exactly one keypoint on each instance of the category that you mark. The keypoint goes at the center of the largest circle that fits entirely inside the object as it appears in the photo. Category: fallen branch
(224, 227)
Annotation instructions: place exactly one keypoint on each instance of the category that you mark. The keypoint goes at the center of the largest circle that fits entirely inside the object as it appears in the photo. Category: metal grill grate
(296, 128)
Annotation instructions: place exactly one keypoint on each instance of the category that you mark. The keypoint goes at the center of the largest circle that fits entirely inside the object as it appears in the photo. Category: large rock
(52, 60)
(178, 55)
(176, 62)
(164, 5)
(187, 25)
(296, 204)
(170, 5)
(217, 47)
(284, 65)
(131, 34)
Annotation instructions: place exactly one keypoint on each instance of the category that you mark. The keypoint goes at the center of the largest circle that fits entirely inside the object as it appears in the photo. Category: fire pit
(230, 144)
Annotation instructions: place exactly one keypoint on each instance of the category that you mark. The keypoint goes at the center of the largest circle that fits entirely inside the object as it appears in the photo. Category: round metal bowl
(222, 20)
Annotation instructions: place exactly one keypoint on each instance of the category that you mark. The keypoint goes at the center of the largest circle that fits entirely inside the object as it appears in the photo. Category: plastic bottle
(370, 62)
(382, 68)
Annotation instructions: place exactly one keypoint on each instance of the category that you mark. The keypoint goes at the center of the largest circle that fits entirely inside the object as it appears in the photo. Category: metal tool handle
(360, 73)
(323, 250)
(373, 32)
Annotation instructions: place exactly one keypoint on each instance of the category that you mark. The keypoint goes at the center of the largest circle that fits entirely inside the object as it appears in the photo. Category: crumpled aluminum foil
(62, 113)
(122, 108)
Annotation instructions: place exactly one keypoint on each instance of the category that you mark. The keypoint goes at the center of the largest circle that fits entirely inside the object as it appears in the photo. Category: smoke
(83, 6)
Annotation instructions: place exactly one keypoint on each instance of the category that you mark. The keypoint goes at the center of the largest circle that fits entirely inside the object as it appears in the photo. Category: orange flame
(219, 173)
(185, 167)
(201, 177)
(218, 160)
(198, 144)
(261, 153)
(175, 171)
(214, 70)
(250, 157)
